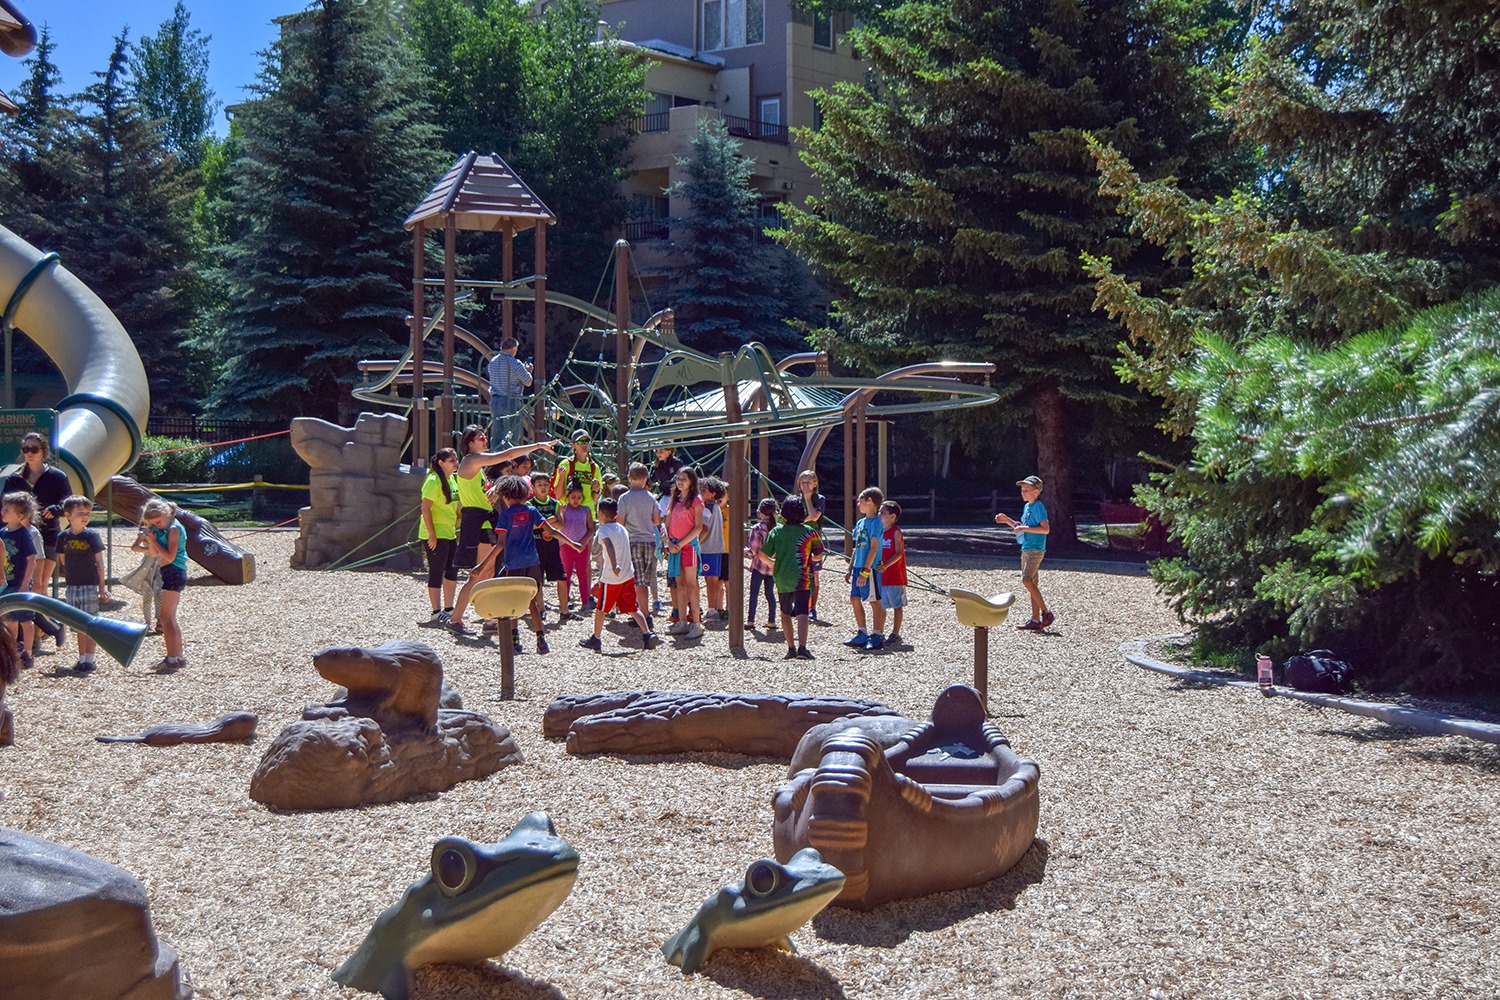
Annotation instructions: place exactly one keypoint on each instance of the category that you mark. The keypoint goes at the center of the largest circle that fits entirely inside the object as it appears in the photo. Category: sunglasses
(31, 449)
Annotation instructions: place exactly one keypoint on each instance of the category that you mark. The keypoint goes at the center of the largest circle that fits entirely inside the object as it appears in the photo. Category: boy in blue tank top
(1031, 532)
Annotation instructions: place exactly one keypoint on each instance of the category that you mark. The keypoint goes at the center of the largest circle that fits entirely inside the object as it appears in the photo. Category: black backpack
(1319, 672)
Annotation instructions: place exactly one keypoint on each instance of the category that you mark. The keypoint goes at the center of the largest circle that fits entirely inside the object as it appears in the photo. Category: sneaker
(656, 607)
(677, 628)
(61, 638)
(542, 648)
(1031, 626)
(589, 605)
(457, 627)
(791, 653)
(516, 645)
(438, 620)
(694, 631)
(894, 639)
(673, 620)
(649, 640)
(803, 653)
(165, 665)
(83, 667)
(26, 661)
(859, 639)
(875, 643)
(1047, 619)
(812, 614)
(591, 642)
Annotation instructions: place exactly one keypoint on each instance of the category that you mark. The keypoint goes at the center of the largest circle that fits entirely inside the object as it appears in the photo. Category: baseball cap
(580, 435)
(1030, 481)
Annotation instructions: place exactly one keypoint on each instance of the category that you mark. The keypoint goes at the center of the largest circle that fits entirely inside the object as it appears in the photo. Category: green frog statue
(762, 911)
(477, 902)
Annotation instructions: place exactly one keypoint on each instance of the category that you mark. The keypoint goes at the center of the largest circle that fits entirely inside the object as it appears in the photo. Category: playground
(1194, 840)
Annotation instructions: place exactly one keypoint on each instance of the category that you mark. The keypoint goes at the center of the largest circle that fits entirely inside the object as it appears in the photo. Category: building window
(731, 24)
(770, 116)
(823, 31)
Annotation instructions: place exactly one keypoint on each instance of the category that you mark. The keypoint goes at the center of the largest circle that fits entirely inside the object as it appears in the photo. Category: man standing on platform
(507, 378)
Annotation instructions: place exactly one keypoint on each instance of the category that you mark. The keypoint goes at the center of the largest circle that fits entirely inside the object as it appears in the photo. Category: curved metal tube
(118, 638)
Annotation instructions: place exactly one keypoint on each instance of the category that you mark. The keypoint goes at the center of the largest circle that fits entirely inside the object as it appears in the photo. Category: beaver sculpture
(385, 737)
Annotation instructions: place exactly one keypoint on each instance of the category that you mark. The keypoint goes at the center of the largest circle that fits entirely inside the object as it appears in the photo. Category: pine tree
(721, 294)
(171, 84)
(957, 196)
(132, 236)
(337, 150)
(39, 171)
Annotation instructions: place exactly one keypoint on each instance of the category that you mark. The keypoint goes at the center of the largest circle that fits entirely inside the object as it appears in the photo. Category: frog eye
(453, 865)
(762, 878)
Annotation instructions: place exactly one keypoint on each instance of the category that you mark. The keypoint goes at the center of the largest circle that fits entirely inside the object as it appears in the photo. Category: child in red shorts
(616, 578)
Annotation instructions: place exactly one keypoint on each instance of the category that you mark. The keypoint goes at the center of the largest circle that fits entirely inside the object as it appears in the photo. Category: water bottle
(1263, 674)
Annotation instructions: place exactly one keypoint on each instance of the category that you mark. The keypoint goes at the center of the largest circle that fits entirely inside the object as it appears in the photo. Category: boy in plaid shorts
(641, 517)
(81, 551)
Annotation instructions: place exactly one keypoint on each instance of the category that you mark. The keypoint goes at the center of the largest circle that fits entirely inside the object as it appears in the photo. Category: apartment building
(753, 63)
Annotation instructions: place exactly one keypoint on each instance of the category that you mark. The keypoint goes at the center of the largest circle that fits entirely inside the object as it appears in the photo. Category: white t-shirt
(713, 520)
(618, 537)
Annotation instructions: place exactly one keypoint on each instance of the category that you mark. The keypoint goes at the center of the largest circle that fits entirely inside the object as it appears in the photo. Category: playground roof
(482, 193)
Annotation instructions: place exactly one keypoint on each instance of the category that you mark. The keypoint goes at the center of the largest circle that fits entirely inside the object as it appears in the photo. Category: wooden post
(507, 658)
(539, 351)
(861, 444)
(883, 451)
(849, 484)
(622, 352)
(418, 417)
(257, 496)
(507, 273)
(736, 458)
(982, 667)
(445, 401)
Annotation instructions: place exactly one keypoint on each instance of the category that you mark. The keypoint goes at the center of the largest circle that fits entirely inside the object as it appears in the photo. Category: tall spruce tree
(337, 149)
(40, 177)
(546, 96)
(957, 195)
(132, 236)
(170, 80)
(724, 295)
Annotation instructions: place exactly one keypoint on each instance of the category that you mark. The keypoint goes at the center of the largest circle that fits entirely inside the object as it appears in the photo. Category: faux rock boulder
(656, 722)
(357, 483)
(73, 927)
(384, 739)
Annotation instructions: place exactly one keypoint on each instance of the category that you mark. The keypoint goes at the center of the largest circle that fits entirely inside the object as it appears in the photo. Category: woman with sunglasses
(476, 511)
(49, 485)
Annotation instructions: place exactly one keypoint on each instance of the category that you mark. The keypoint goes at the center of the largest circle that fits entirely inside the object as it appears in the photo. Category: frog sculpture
(762, 911)
(477, 902)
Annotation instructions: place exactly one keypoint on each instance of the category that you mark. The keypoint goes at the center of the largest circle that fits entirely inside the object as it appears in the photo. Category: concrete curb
(1436, 723)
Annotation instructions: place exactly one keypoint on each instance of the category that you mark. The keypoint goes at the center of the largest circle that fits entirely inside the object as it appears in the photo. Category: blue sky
(83, 32)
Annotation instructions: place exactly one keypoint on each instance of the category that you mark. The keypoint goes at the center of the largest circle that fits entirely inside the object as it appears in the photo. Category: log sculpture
(231, 727)
(663, 722)
(205, 545)
(947, 807)
(73, 927)
(385, 738)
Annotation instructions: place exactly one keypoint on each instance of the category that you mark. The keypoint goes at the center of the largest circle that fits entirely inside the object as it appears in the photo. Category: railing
(747, 128)
(657, 121)
(645, 230)
(208, 429)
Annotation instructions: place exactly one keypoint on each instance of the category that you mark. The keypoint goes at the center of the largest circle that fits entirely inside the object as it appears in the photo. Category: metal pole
(507, 658)
(736, 458)
(622, 352)
(982, 666)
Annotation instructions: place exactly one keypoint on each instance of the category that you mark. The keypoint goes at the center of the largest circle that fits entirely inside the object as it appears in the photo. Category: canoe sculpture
(948, 806)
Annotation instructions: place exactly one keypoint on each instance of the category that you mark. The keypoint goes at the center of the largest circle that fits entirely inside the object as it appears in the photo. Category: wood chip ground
(1194, 841)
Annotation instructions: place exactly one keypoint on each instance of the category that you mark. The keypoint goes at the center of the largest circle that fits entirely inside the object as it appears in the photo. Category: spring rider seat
(981, 614)
(505, 598)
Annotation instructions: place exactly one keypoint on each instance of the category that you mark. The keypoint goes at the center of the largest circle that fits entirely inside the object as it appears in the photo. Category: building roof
(482, 193)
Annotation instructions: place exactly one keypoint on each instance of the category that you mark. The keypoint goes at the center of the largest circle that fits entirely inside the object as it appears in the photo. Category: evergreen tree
(171, 84)
(549, 99)
(735, 287)
(40, 177)
(132, 236)
(957, 195)
(337, 151)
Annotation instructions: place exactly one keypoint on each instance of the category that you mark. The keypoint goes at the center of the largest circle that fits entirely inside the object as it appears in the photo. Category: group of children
(621, 534)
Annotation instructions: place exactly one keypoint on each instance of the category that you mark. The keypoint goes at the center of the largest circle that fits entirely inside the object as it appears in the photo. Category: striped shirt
(507, 375)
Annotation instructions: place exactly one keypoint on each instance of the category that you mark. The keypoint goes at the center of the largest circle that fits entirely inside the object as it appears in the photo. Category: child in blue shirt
(1031, 531)
(863, 585)
(17, 509)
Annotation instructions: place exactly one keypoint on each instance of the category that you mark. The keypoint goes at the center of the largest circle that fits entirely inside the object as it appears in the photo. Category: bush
(163, 461)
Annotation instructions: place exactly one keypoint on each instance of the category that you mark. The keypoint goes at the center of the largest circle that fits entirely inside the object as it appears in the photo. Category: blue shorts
(19, 617)
(173, 578)
(713, 566)
(866, 590)
(893, 597)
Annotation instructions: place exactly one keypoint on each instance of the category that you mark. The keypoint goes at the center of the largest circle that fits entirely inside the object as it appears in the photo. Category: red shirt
(893, 575)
